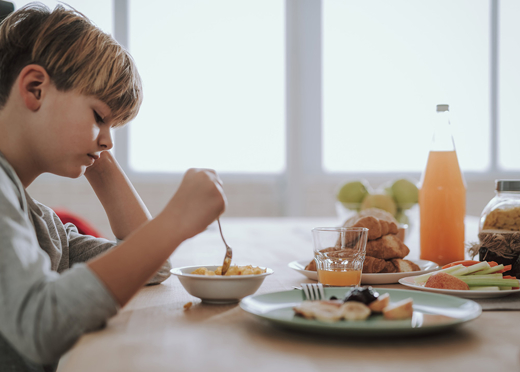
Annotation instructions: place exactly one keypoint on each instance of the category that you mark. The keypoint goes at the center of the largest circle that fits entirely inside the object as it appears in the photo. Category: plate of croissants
(423, 266)
(385, 260)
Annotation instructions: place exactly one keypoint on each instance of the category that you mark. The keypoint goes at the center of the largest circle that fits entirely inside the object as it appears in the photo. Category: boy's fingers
(213, 175)
(221, 190)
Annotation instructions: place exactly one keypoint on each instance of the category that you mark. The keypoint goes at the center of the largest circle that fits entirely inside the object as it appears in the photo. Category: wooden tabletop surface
(154, 332)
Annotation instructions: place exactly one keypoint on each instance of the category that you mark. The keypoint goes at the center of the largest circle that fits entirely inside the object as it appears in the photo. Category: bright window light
(386, 65)
(509, 86)
(214, 90)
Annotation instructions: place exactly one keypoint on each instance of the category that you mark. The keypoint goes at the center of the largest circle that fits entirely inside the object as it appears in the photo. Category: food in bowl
(233, 270)
(219, 289)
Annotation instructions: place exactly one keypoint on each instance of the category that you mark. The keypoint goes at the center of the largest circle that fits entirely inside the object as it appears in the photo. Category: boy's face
(71, 132)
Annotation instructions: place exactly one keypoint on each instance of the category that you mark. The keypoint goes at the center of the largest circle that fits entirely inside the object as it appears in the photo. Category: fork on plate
(313, 291)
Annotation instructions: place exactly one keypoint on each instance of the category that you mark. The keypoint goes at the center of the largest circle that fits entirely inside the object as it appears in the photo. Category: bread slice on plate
(405, 266)
(387, 247)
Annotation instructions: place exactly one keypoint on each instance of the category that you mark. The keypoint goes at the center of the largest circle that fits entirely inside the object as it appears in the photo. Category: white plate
(386, 278)
(409, 282)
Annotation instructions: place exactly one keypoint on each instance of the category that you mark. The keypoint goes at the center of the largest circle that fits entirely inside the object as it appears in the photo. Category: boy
(63, 85)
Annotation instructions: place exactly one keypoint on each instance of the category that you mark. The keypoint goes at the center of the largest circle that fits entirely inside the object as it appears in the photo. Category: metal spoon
(229, 252)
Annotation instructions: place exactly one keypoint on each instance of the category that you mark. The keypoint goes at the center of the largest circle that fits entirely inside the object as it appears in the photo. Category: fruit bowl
(395, 197)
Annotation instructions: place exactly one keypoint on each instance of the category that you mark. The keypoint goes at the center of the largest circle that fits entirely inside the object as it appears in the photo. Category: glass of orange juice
(339, 253)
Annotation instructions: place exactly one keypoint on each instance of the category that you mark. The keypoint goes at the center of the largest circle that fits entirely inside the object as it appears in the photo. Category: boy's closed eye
(98, 118)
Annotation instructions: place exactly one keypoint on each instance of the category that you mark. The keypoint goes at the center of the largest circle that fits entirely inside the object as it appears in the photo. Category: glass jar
(503, 211)
(499, 228)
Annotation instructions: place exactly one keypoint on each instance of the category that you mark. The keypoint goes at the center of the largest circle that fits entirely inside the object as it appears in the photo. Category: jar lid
(507, 185)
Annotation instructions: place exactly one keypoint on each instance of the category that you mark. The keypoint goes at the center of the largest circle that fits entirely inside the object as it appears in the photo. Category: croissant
(376, 227)
(387, 247)
(373, 265)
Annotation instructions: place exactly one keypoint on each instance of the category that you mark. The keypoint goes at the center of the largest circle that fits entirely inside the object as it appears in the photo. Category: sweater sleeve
(43, 313)
(84, 247)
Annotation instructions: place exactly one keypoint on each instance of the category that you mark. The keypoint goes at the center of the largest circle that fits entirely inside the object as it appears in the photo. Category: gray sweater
(48, 296)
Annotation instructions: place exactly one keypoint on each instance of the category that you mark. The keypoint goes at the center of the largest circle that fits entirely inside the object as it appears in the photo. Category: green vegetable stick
(490, 270)
(480, 266)
(489, 276)
(460, 271)
(490, 282)
(465, 270)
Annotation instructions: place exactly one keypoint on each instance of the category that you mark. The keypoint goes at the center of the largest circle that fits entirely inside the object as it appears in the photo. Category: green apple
(381, 201)
(386, 188)
(352, 192)
(401, 217)
(405, 193)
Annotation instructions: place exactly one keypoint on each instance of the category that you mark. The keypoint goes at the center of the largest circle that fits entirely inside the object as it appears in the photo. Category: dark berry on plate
(365, 295)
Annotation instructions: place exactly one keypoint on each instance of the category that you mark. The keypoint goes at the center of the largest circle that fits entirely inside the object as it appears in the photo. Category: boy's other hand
(100, 165)
(198, 202)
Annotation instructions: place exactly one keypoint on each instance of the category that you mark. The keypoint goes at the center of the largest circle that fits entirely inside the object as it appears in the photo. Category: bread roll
(376, 228)
(387, 247)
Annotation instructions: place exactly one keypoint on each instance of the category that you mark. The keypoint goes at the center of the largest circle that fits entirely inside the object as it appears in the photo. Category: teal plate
(432, 313)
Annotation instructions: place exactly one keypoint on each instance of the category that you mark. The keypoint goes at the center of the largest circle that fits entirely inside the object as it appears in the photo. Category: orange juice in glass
(339, 253)
(339, 278)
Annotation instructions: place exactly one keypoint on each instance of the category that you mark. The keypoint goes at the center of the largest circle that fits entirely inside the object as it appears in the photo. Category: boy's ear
(33, 84)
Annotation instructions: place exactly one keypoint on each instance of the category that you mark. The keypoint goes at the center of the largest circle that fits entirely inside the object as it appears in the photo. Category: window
(386, 65)
(213, 75)
(289, 98)
(509, 86)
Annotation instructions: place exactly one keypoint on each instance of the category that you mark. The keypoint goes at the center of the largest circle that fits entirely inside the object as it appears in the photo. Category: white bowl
(219, 289)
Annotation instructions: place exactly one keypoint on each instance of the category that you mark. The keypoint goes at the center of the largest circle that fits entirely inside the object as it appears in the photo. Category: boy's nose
(105, 139)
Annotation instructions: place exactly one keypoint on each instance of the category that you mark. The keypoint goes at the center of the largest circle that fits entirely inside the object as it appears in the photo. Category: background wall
(245, 200)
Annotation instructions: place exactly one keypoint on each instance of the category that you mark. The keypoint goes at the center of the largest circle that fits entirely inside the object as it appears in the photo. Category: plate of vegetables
(467, 279)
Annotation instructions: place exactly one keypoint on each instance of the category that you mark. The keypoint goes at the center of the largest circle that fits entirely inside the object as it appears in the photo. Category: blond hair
(76, 54)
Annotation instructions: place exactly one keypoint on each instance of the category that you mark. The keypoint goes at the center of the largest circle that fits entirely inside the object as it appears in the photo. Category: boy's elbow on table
(41, 343)
(47, 322)
(40, 353)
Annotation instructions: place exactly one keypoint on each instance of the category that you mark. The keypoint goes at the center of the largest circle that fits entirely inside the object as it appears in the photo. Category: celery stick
(421, 279)
(484, 288)
(506, 288)
(480, 266)
(488, 276)
(465, 270)
(490, 270)
(489, 282)
(460, 271)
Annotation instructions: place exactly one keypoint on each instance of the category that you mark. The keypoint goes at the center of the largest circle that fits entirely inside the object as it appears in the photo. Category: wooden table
(154, 332)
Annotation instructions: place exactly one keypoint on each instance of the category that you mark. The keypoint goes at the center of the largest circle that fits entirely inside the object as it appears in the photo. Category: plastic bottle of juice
(442, 197)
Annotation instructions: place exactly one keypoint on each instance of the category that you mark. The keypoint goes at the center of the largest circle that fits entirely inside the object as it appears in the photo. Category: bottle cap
(507, 185)
(442, 108)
